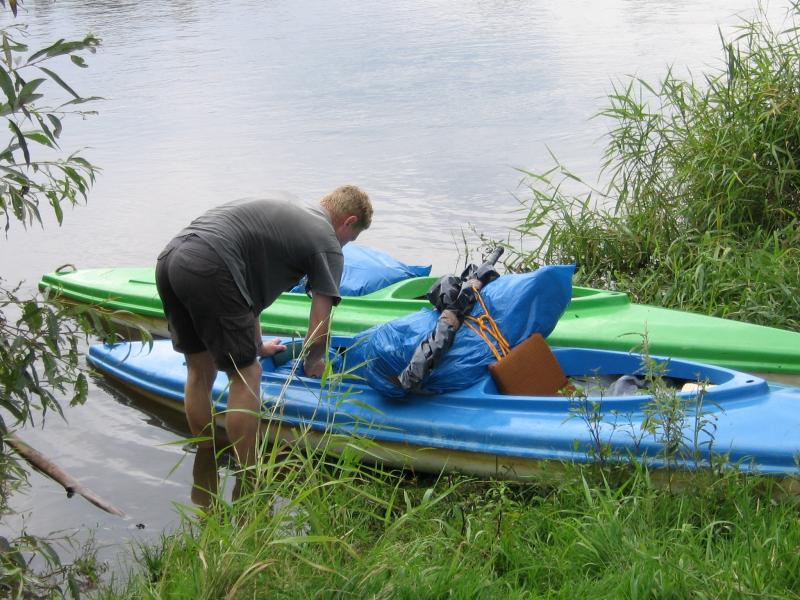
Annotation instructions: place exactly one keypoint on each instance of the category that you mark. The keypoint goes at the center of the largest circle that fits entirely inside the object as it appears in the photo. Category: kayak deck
(594, 319)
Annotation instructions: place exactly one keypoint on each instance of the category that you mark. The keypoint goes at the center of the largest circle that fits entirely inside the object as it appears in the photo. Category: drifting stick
(47, 467)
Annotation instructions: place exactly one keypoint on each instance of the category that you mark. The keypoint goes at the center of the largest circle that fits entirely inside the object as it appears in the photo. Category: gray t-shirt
(268, 245)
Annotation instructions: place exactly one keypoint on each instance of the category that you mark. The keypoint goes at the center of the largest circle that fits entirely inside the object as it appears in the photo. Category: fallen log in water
(47, 467)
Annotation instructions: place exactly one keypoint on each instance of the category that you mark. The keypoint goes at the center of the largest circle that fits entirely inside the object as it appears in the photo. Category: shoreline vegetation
(704, 192)
(700, 209)
(700, 213)
(318, 523)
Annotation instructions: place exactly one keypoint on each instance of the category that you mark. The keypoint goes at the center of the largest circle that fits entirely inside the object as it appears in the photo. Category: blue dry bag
(367, 270)
(521, 305)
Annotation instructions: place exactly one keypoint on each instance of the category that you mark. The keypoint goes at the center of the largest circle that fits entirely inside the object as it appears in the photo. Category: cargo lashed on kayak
(751, 423)
(594, 319)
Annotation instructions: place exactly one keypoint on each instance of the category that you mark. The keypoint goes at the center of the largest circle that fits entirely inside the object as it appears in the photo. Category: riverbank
(328, 527)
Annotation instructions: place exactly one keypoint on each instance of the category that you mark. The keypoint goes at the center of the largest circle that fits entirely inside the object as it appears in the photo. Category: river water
(433, 107)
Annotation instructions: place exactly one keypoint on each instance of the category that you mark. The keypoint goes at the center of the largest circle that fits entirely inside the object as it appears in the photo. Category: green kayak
(593, 319)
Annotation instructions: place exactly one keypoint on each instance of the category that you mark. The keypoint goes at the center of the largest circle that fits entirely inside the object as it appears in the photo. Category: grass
(325, 526)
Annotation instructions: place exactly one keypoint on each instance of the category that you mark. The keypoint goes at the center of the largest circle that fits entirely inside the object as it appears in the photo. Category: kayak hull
(740, 417)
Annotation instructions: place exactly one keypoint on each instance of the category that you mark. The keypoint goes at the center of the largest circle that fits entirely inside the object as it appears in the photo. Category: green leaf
(46, 130)
(83, 100)
(7, 50)
(17, 177)
(59, 212)
(17, 558)
(74, 589)
(75, 177)
(32, 315)
(78, 60)
(17, 46)
(33, 210)
(22, 143)
(61, 47)
(26, 94)
(56, 123)
(7, 85)
(54, 76)
(81, 390)
(44, 51)
(50, 367)
(82, 161)
(16, 410)
(39, 137)
(52, 328)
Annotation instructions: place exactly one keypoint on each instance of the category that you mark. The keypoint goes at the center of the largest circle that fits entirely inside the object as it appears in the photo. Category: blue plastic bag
(521, 305)
(368, 270)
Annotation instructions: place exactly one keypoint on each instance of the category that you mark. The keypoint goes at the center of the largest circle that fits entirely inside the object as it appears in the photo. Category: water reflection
(206, 476)
(212, 467)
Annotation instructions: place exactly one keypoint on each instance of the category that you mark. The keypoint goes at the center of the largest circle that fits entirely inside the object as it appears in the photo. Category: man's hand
(314, 367)
(271, 347)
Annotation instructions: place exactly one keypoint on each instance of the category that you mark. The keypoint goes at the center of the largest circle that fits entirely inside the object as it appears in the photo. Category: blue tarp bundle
(367, 270)
(521, 305)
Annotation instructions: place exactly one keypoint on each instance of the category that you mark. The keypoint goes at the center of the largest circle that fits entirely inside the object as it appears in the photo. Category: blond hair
(349, 200)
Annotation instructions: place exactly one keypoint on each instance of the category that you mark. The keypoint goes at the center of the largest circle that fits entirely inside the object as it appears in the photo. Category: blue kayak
(737, 417)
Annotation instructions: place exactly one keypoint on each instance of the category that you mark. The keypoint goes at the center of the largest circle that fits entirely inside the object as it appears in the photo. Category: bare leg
(200, 376)
(244, 398)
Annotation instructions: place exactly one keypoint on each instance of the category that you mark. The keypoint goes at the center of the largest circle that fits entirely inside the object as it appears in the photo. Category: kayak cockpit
(588, 370)
(591, 371)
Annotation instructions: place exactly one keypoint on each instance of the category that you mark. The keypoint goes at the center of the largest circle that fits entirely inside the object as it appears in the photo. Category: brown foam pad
(530, 369)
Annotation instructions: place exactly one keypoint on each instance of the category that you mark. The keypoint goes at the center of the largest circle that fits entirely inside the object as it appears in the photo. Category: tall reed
(332, 528)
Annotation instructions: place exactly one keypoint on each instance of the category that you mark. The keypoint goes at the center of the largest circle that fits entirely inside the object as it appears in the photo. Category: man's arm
(318, 326)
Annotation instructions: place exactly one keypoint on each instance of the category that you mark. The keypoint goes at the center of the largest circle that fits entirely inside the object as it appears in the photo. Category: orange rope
(485, 326)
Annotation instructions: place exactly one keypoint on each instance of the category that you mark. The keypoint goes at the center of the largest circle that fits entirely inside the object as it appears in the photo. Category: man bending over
(218, 274)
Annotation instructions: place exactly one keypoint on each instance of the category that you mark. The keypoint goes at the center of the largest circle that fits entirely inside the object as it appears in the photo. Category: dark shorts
(204, 308)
